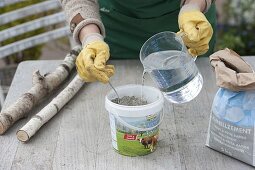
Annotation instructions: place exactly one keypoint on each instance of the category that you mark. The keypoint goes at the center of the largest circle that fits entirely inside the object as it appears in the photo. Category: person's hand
(195, 29)
(91, 62)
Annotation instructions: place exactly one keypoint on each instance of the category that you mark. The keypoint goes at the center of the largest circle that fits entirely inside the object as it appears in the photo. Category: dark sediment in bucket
(130, 101)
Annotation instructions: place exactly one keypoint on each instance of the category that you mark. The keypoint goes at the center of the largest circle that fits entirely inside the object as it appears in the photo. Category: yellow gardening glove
(91, 62)
(195, 29)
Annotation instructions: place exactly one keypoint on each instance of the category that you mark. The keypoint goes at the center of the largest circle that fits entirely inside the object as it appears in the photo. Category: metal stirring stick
(115, 92)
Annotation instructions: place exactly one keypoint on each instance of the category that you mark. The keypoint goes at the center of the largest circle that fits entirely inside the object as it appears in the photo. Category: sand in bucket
(135, 122)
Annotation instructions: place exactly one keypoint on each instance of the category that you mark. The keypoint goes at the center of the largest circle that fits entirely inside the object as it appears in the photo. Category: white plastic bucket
(135, 129)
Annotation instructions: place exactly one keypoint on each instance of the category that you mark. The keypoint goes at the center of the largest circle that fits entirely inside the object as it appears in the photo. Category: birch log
(42, 85)
(37, 121)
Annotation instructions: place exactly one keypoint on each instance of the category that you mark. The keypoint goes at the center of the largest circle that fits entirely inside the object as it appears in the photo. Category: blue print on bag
(235, 107)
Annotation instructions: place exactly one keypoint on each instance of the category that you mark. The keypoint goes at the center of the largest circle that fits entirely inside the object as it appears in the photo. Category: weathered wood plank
(9, 144)
(29, 10)
(32, 25)
(87, 143)
(79, 137)
(1, 97)
(33, 41)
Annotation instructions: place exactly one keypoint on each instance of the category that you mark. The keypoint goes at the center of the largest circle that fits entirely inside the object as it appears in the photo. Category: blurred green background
(236, 28)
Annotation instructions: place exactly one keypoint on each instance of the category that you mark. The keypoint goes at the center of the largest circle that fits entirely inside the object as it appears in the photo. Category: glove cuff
(190, 7)
(208, 4)
(91, 37)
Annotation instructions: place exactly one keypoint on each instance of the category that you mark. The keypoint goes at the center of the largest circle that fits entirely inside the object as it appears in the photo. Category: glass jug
(165, 57)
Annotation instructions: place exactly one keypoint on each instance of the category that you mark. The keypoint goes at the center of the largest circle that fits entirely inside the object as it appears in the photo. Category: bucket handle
(137, 128)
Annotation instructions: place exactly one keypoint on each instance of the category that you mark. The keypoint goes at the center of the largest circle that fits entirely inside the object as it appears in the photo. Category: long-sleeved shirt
(83, 12)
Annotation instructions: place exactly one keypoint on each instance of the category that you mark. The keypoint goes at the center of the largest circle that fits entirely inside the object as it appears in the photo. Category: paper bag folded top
(232, 72)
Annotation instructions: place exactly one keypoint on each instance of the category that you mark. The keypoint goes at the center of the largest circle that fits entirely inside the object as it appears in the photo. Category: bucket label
(130, 137)
(131, 142)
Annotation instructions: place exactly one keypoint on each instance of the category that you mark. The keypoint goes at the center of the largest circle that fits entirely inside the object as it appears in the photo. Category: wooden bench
(56, 17)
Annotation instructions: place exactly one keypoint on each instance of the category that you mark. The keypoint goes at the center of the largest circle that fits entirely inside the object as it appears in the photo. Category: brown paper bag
(231, 129)
(232, 72)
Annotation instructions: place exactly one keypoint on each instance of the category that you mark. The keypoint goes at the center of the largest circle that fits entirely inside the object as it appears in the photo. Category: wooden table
(78, 137)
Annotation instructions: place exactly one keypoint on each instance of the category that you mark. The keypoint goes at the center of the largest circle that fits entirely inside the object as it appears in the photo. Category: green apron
(129, 23)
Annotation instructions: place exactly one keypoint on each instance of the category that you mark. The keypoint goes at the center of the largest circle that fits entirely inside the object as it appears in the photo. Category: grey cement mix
(130, 101)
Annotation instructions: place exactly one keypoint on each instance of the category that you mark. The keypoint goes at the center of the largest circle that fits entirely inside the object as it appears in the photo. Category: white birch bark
(42, 85)
(37, 121)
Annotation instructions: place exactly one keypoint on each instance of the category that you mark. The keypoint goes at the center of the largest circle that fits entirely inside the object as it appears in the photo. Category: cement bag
(231, 126)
